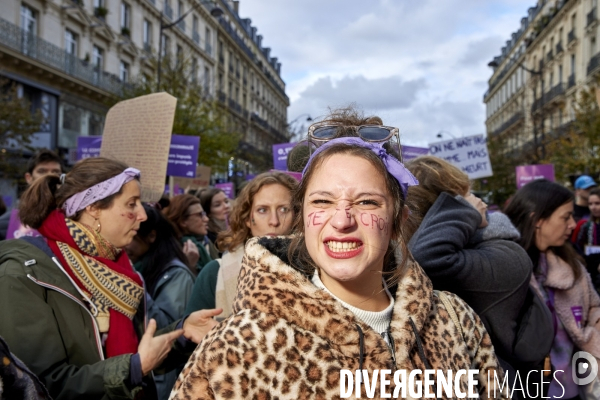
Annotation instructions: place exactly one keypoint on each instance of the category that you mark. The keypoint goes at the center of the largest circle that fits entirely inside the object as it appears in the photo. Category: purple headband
(98, 192)
(393, 166)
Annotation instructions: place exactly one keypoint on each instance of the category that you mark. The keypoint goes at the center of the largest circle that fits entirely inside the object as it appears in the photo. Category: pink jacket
(569, 292)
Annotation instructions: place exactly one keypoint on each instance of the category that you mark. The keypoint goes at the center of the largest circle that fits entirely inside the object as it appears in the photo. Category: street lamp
(288, 126)
(215, 11)
(494, 64)
(439, 135)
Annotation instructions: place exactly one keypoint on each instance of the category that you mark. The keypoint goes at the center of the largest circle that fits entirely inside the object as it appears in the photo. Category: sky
(421, 65)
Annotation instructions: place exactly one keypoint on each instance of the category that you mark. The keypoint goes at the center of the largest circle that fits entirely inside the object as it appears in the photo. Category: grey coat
(485, 267)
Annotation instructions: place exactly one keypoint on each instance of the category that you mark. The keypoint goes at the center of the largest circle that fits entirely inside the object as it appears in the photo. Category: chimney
(236, 7)
(259, 41)
(278, 68)
(267, 52)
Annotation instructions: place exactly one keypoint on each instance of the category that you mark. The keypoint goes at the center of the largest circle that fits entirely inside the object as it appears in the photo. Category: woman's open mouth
(343, 248)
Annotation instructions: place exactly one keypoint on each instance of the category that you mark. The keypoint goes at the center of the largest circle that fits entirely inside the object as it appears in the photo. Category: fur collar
(277, 289)
(560, 274)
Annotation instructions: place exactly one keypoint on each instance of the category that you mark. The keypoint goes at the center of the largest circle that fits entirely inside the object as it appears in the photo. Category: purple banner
(296, 175)
(8, 201)
(280, 154)
(227, 188)
(528, 173)
(183, 156)
(16, 229)
(88, 146)
(410, 152)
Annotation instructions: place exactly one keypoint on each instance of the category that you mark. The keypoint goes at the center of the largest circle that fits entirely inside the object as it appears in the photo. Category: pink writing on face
(375, 222)
(315, 218)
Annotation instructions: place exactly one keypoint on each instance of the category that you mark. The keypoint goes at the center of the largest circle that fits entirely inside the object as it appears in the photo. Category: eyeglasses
(324, 132)
(201, 214)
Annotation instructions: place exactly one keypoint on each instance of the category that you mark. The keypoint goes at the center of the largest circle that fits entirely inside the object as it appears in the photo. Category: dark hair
(595, 191)
(43, 156)
(177, 212)
(536, 201)
(238, 231)
(47, 193)
(163, 250)
(206, 196)
(435, 177)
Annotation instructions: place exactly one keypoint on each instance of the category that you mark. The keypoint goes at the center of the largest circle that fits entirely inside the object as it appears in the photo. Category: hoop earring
(98, 227)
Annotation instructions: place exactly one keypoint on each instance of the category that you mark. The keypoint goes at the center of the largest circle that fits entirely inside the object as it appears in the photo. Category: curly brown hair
(177, 212)
(238, 231)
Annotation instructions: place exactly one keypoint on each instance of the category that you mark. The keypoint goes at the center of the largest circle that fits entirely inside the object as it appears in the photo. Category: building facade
(71, 57)
(531, 94)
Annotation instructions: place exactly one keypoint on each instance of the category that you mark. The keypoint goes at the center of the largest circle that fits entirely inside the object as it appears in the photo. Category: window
(147, 34)
(221, 82)
(194, 69)
(71, 42)
(165, 45)
(179, 9)
(98, 57)
(179, 54)
(98, 3)
(195, 33)
(592, 47)
(572, 64)
(124, 71)
(28, 20)
(125, 15)
(206, 80)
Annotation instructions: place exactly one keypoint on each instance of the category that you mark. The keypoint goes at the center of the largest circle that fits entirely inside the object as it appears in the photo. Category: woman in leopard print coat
(342, 293)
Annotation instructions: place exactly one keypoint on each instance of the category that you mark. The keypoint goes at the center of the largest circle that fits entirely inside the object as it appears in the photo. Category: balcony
(559, 48)
(181, 25)
(57, 58)
(571, 81)
(593, 64)
(254, 117)
(221, 96)
(507, 124)
(168, 11)
(235, 106)
(196, 37)
(571, 36)
(549, 56)
(554, 94)
(591, 17)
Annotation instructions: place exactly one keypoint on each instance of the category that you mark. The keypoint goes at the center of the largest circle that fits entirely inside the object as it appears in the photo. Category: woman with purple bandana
(341, 293)
(71, 306)
(543, 212)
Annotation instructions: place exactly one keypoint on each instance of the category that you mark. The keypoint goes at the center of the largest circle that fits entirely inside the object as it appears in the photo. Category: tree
(576, 149)
(18, 122)
(197, 113)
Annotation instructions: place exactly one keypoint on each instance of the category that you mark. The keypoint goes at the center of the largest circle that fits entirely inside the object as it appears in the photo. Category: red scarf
(121, 338)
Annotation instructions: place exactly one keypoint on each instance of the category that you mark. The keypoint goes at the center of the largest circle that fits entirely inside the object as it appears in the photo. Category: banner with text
(183, 156)
(88, 146)
(469, 153)
(280, 155)
(16, 229)
(410, 152)
(528, 173)
(227, 188)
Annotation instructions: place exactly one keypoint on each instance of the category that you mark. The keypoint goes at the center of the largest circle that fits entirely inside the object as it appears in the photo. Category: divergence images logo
(585, 368)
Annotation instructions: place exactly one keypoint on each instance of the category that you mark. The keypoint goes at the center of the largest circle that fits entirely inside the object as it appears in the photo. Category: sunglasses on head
(323, 132)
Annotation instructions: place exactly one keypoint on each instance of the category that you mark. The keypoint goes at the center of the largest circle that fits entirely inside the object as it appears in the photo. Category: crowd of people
(366, 263)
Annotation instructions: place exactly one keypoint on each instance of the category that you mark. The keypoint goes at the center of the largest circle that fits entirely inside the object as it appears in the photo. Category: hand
(192, 253)
(153, 350)
(197, 325)
(480, 206)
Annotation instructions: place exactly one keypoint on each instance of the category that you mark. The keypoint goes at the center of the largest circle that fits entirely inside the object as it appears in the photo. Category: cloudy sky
(419, 64)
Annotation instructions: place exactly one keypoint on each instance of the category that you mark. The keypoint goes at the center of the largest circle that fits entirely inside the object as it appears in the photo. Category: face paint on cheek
(376, 222)
(128, 215)
(314, 218)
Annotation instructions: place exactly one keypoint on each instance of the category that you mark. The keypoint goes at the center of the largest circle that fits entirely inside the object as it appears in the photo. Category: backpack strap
(446, 301)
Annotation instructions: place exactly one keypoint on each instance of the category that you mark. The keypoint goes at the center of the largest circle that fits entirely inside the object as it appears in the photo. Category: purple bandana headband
(98, 192)
(393, 166)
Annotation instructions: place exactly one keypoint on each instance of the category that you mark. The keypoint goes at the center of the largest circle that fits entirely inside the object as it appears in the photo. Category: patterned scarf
(114, 289)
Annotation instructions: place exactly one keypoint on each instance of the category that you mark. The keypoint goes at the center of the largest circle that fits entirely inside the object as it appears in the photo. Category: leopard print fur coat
(287, 339)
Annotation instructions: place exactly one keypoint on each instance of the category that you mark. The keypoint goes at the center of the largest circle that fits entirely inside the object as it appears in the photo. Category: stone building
(531, 92)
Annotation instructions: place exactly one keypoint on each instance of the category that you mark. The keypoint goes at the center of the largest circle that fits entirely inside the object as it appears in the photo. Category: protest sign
(201, 180)
(227, 188)
(8, 201)
(528, 173)
(88, 146)
(410, 152)
(183, 156)
(296, 175)
(138, 133)
(280, 154)
(468, 153)
(16, 229)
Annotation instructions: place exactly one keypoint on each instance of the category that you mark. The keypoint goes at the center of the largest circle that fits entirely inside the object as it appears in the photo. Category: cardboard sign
(138, 133)
(410, 152)
(88, 146)
(528, 173)
(469, 154)
(201, 180)
(280, 155)
(183, 156)
(16, 229)
(227, 188)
